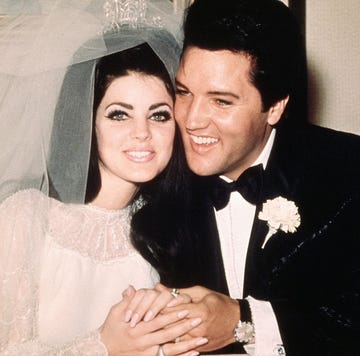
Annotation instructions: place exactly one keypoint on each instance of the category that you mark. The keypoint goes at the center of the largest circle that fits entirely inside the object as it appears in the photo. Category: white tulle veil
(45, 136)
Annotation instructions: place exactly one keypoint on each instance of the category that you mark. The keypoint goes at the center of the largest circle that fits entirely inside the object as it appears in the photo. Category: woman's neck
(115, 197)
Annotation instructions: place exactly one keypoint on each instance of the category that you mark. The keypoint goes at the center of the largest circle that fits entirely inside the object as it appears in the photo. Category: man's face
(219, 112)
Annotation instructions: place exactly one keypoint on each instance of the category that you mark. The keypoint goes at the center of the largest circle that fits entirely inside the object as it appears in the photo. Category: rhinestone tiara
(127, 12)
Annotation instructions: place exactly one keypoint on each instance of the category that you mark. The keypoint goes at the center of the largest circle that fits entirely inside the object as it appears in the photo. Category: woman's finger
(161, 288)
(163, 299)
(162, 321)
(150, 305)
(139, 305)
(179, 296)
(184, 348)
(167, 327)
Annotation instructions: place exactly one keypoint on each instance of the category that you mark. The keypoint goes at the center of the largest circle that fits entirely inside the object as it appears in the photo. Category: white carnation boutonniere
(280, 214)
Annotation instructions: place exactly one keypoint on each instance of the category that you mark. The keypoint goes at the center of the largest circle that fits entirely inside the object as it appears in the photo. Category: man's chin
(202, 169)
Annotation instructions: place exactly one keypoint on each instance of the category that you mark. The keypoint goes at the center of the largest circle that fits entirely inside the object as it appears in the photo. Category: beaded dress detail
(93, 232)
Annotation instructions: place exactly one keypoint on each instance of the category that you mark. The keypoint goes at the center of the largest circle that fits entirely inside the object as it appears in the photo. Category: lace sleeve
(21, 230)
(89, 345)
(23, 222)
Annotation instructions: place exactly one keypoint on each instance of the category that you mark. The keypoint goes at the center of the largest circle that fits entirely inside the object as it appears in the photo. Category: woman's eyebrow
(157, 105)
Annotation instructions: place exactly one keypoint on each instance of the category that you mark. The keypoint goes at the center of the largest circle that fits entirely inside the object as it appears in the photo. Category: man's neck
(263, 156)
(265, 153)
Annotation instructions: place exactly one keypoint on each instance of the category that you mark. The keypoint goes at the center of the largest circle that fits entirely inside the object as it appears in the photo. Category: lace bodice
(58, 262)
(97, 233)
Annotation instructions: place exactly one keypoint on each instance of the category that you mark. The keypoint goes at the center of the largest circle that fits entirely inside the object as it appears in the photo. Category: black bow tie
(249, 185)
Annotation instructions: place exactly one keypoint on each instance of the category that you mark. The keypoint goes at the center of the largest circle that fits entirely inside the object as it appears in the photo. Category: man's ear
(276, 111)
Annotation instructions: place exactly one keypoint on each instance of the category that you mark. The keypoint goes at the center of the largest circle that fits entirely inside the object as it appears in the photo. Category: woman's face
(135, 129)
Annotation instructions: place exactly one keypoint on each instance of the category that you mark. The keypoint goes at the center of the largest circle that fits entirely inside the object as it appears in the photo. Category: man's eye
(181, 92)
(222, 102)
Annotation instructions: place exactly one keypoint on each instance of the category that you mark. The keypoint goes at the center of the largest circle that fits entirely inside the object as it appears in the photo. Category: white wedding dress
(62, 267)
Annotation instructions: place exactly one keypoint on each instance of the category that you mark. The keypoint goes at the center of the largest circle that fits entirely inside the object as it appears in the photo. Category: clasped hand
(145, 319)
(198, 319)
(218, 312)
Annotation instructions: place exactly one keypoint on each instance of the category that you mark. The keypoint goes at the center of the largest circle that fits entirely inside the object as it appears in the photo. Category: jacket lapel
(279, 180)
(210, 250)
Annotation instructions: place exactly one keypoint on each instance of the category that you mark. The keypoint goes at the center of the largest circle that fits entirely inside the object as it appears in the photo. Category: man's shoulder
(319, 143)
(316, 160)
(330, 136)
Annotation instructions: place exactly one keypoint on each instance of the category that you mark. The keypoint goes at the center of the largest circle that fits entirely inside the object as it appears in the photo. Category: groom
(287, 247)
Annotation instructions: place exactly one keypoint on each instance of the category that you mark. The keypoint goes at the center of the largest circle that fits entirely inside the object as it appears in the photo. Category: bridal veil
(46, 124)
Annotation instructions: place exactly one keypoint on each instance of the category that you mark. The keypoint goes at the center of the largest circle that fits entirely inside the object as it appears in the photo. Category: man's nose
(196, 115)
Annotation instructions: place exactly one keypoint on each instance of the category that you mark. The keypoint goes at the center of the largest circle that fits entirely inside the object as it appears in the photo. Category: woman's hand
(145, 304)
(122, 339)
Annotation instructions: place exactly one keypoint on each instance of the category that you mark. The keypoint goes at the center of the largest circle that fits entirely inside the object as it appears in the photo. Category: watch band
(245, 311)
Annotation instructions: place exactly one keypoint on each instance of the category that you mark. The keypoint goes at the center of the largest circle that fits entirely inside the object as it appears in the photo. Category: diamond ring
(174, 292)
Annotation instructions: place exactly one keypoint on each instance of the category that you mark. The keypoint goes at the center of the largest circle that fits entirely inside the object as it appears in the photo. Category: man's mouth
(204, 140)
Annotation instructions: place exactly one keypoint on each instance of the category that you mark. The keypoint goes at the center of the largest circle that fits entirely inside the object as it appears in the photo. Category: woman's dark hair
(161, 225)
(166, 195)
(160, 230)
(264, 30)
(139, 59)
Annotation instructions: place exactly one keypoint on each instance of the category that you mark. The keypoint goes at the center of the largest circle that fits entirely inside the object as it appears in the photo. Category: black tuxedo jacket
(312, 276)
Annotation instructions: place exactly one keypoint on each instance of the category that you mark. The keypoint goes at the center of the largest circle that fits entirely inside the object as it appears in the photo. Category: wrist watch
(244, 331)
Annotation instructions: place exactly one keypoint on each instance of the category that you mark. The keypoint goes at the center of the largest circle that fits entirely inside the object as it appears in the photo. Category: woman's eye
(161, 116)
(118, 115)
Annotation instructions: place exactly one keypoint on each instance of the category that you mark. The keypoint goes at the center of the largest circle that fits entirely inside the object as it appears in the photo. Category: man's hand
(219, 314)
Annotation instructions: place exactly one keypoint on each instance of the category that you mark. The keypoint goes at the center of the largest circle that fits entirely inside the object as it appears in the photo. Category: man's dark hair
(264, 30)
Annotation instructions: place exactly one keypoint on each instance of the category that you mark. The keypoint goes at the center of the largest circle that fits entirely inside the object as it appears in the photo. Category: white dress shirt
(234, 224)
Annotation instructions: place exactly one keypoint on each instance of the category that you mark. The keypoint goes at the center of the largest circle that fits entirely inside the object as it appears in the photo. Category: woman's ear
(276, 111)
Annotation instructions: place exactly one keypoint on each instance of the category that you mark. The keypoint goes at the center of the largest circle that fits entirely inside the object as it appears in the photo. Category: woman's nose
(141, 130)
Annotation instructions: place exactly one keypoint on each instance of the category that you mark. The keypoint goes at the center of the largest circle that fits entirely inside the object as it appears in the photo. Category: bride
(86, 119)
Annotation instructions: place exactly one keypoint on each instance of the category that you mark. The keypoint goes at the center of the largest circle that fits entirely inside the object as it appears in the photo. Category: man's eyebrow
(224, 93)
(180, 84)
(212, 92)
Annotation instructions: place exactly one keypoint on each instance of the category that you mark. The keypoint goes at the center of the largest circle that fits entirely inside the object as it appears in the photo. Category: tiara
(128, 12)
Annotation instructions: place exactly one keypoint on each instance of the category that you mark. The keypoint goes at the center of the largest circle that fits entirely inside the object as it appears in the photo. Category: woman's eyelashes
(161, 115)
(118, 115)
(121, 115)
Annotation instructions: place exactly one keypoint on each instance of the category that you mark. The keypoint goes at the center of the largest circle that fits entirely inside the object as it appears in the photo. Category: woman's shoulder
(26, 197)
